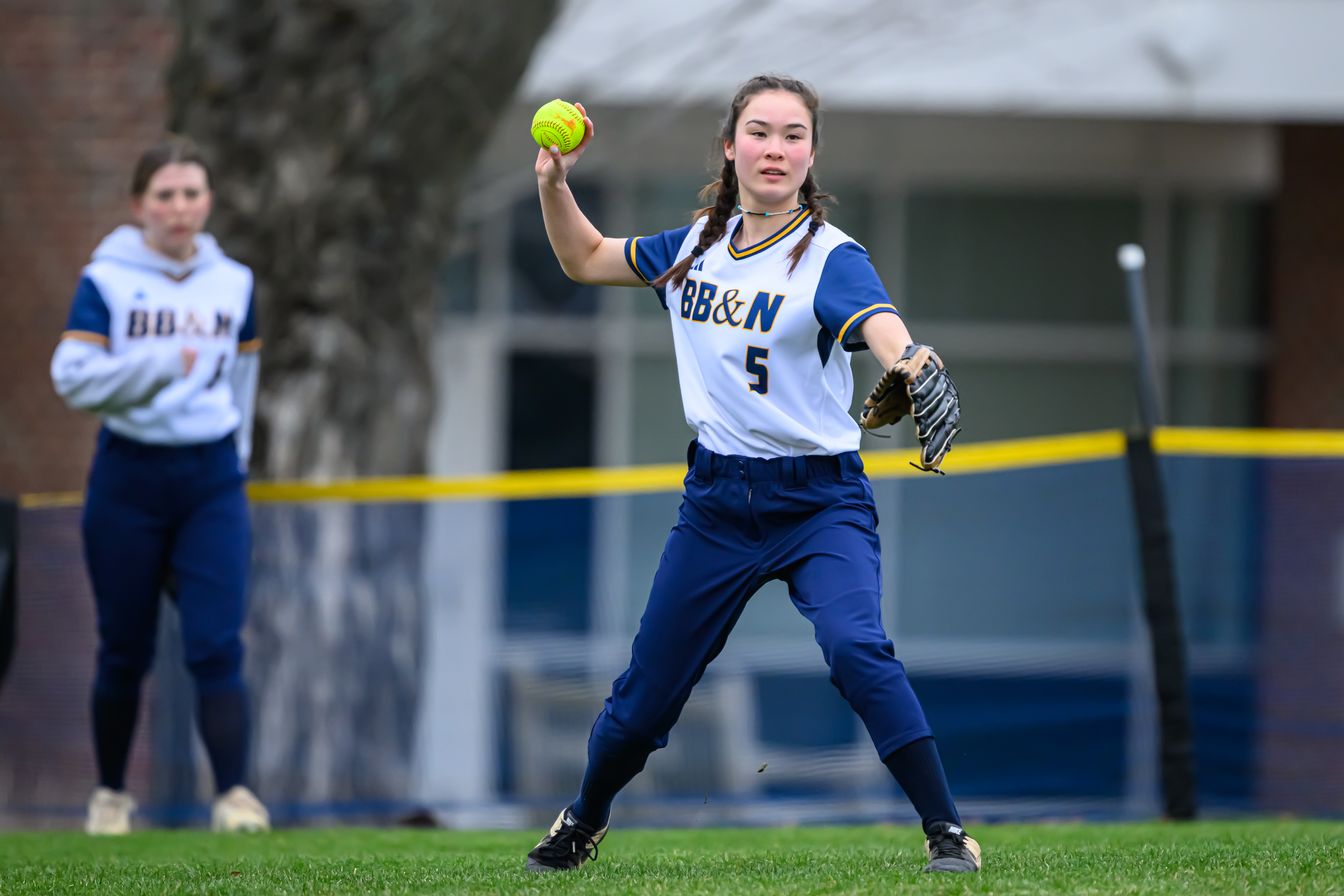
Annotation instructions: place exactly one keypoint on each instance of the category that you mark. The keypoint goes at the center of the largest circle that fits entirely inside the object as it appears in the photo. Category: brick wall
(1302, 620)
(81, 94)
(1306, 386)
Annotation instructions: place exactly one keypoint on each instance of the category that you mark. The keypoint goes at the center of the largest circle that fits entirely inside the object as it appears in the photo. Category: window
(1217, 271)
(537, 282)
(458, 280)
(551, 405)
(659, 433)
(551, 410)
(1017, 257)
(1028, 282)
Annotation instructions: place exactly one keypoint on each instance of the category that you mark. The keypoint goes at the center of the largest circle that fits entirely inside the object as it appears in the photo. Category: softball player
(765, 299)
(161, 344)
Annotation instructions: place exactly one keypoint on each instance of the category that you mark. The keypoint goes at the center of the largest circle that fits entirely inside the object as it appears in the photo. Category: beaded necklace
(799, 207)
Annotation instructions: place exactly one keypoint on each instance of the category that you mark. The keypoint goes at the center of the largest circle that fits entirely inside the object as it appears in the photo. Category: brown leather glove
(918, 385)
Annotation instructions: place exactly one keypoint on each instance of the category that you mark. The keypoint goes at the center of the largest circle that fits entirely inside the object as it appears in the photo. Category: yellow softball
(558, 123)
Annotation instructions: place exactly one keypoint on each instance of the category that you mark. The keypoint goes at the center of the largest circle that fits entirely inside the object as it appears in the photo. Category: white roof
(1190, 59)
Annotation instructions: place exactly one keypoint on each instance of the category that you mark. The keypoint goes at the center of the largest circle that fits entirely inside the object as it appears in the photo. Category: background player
(161, 344)
(765, 298)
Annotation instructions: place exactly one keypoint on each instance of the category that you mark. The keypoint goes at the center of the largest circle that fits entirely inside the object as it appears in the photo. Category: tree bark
(339, 134)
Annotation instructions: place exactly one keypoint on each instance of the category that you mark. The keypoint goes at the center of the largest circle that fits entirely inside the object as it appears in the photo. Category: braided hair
(723, 191)
(812, 203)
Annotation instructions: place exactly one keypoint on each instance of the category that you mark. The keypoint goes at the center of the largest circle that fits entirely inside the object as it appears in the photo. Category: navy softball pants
(809, 521)
(152, 510)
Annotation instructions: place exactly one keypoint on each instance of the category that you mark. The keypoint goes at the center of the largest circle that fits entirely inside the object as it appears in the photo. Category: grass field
(1277, 857)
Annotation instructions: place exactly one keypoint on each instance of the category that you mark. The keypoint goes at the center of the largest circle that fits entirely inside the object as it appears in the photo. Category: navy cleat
(569, 844)
(949, 849)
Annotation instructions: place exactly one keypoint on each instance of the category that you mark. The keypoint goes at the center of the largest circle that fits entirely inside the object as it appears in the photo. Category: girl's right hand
(188, 359)
(552, 165)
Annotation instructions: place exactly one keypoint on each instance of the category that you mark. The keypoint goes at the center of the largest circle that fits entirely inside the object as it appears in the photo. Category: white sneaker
(238, 809)
(109, 812)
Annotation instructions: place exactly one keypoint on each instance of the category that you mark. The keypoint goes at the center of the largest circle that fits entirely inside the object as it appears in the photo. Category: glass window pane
(651, 517)
(851, 210)
(551, 401)
(1052, 548)
(1009, 257)
(1006, 400)
(458, 283)
(1222, 395)
(659, 433)
(666, 204)
(803, 710)
(549, 592)
(550, 425)
(536, 281)
(644, 301)
(1218, 268)
(770, 613)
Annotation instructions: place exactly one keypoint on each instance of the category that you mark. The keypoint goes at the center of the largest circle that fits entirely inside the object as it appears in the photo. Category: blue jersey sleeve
(248, 340)
(89, 317)
(650, 256)
(848, 293)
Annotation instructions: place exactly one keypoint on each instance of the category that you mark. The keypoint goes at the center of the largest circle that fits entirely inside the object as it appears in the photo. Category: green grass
(1278, 857)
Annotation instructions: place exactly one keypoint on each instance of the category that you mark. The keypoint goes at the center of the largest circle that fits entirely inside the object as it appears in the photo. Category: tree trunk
(339, 134)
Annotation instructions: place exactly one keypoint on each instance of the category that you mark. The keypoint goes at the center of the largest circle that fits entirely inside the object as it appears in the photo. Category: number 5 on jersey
(756, 358)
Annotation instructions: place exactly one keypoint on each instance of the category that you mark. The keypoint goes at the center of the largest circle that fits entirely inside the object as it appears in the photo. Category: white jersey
(121, 353)
(762, 354)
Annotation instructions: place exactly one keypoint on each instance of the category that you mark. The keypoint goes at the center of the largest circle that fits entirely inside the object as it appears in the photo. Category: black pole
(1132, 263)
(1160, 604)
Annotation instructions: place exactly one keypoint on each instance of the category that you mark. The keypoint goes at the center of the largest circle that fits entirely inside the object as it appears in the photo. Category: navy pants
(809, 521)
(155, 510)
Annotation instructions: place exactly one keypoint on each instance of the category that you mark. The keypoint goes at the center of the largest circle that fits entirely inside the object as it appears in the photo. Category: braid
(812, 199)
(724, 191)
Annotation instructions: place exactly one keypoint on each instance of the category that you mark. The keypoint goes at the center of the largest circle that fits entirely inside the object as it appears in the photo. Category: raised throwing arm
(584, 253)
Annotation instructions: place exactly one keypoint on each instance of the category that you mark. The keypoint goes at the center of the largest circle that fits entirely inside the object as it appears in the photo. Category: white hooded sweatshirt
(121, 353)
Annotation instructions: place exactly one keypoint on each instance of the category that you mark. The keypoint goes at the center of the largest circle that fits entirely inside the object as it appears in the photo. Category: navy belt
(709, 466)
